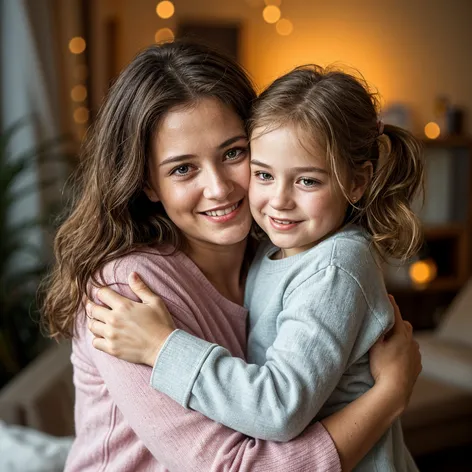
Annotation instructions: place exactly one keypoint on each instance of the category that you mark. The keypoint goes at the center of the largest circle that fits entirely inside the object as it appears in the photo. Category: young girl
(167, 162)
(332, 187)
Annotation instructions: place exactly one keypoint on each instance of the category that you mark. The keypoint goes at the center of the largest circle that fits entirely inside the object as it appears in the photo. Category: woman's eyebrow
(173, 159)
(232, 140)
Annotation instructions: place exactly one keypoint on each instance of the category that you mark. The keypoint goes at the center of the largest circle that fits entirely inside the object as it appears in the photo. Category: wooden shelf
(448, 142)
(451, 230)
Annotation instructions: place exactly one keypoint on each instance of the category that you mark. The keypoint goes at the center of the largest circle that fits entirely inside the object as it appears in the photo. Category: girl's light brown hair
(111, 215)
(336, 110)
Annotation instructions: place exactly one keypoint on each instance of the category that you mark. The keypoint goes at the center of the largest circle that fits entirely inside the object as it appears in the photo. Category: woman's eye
(309, 182)
(263, 175)
(181, 170)
(233, 154)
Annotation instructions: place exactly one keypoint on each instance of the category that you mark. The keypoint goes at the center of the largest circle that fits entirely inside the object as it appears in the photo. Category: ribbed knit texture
(122, 424)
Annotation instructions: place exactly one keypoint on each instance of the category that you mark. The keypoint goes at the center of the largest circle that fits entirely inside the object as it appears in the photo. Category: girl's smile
(293, 197)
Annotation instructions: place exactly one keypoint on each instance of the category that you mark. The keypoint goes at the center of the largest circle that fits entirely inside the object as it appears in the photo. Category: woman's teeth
(222, 212)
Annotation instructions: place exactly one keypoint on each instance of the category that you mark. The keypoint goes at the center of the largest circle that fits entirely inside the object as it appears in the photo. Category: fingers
(142, 291)
(396, 311)
(97, 328)
(101, 344)
(111, 298)
(98, 312)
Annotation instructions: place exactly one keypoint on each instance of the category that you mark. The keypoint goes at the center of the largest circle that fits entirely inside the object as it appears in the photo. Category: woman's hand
(132, 331)
(395, 360)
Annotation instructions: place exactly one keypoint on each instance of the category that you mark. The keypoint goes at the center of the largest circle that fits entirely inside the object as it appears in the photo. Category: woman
(164, 185)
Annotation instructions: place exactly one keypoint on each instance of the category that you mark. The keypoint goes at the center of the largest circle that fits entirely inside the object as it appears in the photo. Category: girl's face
(199, 170)
(292, 196)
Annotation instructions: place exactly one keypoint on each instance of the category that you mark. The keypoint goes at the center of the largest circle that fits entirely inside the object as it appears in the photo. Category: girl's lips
(224, 218)
(275, 223)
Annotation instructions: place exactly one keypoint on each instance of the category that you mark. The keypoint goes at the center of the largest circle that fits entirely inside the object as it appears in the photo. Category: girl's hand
(395, 360)
(132, 331)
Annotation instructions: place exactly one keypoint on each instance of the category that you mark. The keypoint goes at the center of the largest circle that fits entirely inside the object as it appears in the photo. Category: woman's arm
(354, 430)
(395, 364)
(275, 401)
(184, 440)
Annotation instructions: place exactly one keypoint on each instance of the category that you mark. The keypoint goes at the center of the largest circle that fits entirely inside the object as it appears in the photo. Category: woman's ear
(361, 180)
(151, 194)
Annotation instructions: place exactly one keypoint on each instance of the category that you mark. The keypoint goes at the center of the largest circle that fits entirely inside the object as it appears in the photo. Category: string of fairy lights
(79, 93)
(164, 10)
(271, 13)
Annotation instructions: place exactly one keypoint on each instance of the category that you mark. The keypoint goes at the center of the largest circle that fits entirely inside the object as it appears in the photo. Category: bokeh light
(423, 272)
(164, 34)
(432, 130)
(271, 14)
(78, 93)
(165, 9)
(81, 115)
(284, 27)
(77, 45)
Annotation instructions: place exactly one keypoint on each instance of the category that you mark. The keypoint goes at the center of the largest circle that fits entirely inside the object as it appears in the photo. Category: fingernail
(134, 276)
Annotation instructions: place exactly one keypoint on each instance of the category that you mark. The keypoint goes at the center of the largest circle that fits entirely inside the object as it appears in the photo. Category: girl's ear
(361, 180)
(151, 194)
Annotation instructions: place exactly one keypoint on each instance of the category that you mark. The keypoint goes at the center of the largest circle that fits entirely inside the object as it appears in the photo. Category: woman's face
(199, 171)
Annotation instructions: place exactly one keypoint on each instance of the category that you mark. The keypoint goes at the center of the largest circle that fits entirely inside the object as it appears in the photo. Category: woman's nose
(218, 186)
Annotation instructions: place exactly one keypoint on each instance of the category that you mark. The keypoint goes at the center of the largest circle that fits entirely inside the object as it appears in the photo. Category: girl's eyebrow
(294, 170)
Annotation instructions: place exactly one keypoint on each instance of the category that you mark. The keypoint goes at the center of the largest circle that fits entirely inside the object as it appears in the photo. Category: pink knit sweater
(122, 424)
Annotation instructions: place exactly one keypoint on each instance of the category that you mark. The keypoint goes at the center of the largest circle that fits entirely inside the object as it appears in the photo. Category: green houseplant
(20, 336)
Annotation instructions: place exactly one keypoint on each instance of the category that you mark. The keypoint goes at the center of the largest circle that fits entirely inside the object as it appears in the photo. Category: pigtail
(397, 180)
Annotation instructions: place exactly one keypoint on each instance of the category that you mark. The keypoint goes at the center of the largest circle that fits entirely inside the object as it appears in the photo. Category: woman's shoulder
(155, 263)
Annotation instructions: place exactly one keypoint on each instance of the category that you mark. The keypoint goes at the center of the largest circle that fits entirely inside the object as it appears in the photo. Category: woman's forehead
(206, 124)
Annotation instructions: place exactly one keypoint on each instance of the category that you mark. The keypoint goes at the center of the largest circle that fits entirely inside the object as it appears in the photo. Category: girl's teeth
(283, 222)
(222, 212)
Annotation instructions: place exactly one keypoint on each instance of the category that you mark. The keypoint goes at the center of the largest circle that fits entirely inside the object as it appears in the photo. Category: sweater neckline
(211, 291)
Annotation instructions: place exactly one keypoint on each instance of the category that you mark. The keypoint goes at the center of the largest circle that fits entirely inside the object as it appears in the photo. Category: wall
(411, 50)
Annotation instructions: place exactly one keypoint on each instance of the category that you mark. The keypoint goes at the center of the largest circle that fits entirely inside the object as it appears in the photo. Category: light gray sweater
(313, 318)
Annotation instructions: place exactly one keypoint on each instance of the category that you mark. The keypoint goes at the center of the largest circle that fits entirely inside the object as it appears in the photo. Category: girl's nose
(282, 199)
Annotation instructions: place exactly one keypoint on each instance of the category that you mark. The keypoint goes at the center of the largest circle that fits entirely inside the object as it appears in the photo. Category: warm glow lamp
(77, 45)
(432, 130)
(423, 272)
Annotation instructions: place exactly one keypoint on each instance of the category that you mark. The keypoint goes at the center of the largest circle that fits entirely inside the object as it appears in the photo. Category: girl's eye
(263, 175)
(181, 170)
(233, 154)
(309, 183)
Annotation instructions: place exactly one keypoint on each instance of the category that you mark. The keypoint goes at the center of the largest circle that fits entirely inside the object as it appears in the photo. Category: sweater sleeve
(186, 441)
(316, 333)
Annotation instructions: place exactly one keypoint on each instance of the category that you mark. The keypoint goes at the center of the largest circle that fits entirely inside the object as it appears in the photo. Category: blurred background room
(58, 58)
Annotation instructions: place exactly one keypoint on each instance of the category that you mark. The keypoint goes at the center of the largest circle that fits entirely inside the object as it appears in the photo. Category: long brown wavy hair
(337, 109)
(111, 215)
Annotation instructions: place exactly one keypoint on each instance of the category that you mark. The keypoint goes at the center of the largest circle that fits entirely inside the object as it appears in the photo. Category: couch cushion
(457, 323)
(434, 402)
(446, 360)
